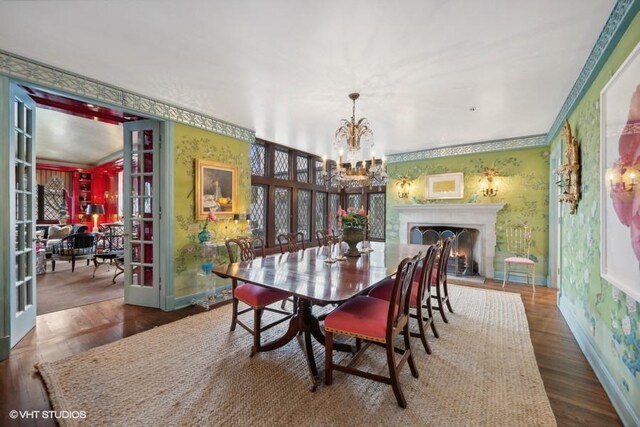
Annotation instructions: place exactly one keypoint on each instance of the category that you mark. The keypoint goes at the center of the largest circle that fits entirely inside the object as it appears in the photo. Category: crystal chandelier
(357, 171)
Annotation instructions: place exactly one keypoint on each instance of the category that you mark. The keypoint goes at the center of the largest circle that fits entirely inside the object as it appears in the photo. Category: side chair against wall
(420, 297)
(292, 243)
(519, 245)
(74, 247)
(258, 298)
(379, 322)
(439, 279)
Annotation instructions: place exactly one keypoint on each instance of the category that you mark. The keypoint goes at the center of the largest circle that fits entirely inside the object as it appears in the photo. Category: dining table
(315, 278)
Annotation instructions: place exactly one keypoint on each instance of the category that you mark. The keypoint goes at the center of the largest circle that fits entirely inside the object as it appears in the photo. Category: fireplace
(463, 260)
(476, 216)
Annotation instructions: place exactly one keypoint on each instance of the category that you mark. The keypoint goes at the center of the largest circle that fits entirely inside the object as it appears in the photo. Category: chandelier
(351, 139)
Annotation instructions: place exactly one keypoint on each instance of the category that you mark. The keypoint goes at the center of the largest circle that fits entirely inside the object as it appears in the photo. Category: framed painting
(216, 189)
(445, 186)
(619, 175)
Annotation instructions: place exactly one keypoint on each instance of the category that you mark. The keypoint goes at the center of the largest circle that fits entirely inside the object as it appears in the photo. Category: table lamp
(94, 211)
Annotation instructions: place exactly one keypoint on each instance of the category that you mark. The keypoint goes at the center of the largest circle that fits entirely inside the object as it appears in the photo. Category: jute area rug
(195, 372)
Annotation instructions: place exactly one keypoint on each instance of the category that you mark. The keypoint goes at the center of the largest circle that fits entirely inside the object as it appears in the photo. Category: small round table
(116, 256)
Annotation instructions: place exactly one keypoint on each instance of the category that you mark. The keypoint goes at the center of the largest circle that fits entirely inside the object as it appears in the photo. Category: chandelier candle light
(358, 171)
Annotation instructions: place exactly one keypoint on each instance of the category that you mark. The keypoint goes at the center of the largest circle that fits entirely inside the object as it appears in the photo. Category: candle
(340, 158)
(633, 178)
(324, 163)
(373, 158)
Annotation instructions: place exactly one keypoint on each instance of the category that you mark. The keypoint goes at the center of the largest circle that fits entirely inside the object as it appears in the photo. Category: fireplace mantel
(481, 216)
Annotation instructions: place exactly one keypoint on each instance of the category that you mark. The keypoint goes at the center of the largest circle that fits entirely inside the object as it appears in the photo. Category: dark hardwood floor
(576, 396)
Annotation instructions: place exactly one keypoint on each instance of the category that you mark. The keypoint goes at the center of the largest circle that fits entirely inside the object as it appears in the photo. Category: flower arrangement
(352, 218)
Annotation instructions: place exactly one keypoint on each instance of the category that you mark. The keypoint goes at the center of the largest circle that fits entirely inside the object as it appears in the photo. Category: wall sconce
(570, 171)
(489, 186)
(403, 187)
(622, 179)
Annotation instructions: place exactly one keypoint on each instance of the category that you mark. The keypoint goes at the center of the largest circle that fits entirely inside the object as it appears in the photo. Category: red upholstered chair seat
(360, 317)
(383, 290)
(258, 296)
(519, 260)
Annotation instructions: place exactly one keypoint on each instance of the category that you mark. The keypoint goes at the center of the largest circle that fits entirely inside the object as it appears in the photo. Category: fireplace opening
(462, 261)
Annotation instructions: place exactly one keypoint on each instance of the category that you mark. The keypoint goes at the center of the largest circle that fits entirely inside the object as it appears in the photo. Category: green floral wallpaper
(190, 144)
(523, 187)
(609, 317)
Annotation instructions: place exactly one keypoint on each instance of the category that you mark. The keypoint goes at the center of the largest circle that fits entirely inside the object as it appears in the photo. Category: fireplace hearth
(462, 261)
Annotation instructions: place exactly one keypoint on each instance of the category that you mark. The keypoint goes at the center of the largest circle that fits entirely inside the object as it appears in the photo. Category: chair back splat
(292, 242)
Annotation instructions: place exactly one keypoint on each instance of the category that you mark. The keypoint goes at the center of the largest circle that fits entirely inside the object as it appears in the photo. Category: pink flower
(362, 211)
(212, 216)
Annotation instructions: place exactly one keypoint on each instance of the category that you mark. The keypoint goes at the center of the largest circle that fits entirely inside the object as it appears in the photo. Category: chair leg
(506, 273)
(533, 278)
(446, 294)
(440, 306)
(393, 373)
(328, 358)
(234, 314)
(407, 345)
(73, 264)
(257, 316)
(53, 265)
(433, 324)
(423, 332)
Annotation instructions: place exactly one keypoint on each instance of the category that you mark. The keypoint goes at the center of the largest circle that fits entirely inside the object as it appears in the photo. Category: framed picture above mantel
(216, 189)
(445, 186)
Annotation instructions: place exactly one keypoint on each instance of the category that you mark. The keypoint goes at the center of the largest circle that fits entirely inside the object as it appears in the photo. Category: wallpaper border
(31, 71)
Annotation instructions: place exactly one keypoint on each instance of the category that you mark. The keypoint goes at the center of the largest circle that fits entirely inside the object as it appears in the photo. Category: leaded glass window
(318, 173)
(281, 164)
(304, 212)
(321, 210)
(282, 211)
(334, 202)
(258, 210)
(376, 213)
(258, 160)
(302, 169)
(354, 201)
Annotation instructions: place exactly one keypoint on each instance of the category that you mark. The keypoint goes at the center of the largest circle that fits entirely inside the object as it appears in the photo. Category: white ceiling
(284, 67)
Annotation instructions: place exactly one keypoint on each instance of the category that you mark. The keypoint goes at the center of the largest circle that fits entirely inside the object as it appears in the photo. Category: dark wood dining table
(307, 275)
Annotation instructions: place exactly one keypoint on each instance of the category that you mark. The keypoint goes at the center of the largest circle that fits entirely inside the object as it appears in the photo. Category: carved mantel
(481, 216)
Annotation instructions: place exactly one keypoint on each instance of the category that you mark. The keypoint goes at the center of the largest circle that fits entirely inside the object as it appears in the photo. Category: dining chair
(325, 238)
(519, 245)
(439, 279)
(376, 321)
(292, 243)
(420, 297)
(258, 298)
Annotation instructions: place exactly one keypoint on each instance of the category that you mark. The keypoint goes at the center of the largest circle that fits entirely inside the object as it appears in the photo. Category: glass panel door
(22, 214)
(142, 213)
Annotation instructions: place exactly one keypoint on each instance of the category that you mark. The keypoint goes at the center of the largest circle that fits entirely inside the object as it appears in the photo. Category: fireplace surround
(480, 216)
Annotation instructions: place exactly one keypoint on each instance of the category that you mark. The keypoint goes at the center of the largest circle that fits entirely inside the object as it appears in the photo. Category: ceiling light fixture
(358, 171)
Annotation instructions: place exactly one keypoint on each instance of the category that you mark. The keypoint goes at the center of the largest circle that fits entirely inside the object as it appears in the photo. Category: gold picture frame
(445, 186)
(216, 189)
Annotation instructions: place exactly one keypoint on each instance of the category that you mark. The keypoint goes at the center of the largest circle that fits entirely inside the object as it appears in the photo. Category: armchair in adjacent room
(74, 247)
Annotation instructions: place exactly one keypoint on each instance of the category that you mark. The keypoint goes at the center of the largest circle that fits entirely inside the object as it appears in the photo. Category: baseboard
(624, 408)
(517, 278)
(5, 347)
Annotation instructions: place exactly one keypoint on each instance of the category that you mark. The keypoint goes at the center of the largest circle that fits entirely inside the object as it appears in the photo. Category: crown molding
(475, 148)
(54, 78)
(617, 23)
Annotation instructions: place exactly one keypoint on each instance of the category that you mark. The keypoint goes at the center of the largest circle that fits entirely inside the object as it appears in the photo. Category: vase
(352, 236)
(204, 235)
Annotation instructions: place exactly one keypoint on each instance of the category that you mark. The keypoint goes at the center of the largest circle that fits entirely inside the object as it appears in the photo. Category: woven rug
(195, 372)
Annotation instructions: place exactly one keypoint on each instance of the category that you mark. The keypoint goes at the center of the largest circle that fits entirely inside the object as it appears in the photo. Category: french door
(22, 278)
(142, 213)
